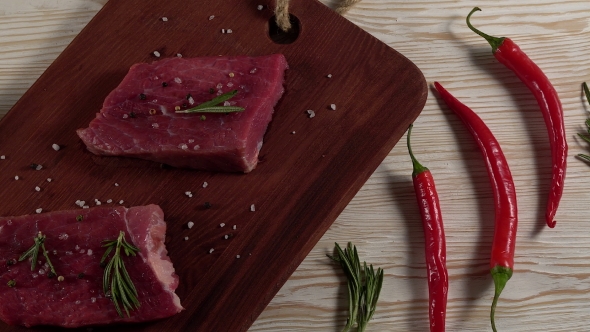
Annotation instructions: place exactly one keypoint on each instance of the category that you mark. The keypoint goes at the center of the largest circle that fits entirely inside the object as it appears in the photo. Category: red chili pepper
(502, 258)
(434, 241)
(511, 56)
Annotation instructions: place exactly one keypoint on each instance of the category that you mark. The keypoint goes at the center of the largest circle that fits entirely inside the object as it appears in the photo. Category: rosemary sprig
(33, 252)
(364, 287)
(586, 137)
(116, 281)
(212, 106)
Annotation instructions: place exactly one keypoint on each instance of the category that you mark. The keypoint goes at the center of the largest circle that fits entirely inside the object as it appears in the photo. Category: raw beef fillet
(138, 118)
(74, 249)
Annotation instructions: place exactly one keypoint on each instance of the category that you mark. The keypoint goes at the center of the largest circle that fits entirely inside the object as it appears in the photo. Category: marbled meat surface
(138, 118)
(73, 242)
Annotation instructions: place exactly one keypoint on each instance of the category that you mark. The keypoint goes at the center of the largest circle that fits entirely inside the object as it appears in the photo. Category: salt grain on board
(186, 238)
(55, 147)
(234, 227)
(205, 184)
(39, 210)
(2, 157)
(211, 17)
(38, 167)
(252, 208)
(156, 54)
(190, 224)
(37, 188)
(16, 177)
(49, 180)
(165, 19)
(178, 55)
(222, 225)
(333, 107)
(211, 250)
(310, 113)
(260, 7)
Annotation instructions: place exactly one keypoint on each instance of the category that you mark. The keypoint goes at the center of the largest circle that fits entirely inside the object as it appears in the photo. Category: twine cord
(282, 12)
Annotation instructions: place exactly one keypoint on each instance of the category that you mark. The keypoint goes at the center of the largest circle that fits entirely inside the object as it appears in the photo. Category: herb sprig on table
(364, 286)
(212, 106)
(587, 136)
(116, 281)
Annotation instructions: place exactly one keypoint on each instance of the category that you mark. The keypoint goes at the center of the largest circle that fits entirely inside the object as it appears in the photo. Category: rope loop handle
(282, 11)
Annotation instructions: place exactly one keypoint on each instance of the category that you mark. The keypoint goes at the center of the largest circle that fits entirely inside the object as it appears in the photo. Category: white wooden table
(550, 288)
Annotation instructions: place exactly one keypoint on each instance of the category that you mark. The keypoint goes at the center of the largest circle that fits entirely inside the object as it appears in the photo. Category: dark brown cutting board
(310, 167)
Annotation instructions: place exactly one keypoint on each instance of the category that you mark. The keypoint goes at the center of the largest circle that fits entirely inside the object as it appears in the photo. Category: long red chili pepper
(434, 241)
(511, 56)
(502, 258)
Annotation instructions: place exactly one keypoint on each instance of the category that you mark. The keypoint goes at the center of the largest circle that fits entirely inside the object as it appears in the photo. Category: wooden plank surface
(310, 168)
(549, 290)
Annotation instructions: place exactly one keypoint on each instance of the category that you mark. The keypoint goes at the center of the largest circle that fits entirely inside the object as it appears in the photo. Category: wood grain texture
(310, 168)
(550, 288)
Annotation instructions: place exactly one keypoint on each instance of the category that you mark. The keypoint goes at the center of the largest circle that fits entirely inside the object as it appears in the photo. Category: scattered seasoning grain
(310, 113)
(188, 193)
(333, 107)
(16, 177)
(260, 7)
(165, 19)
(155, 125)
(226, 237)
(177, 108)
(211, 17)
(60, 278)
(329, 76)
(190, 224)
(81, 275)
(222, 30)
(178, 55)
(142, 96)
(208, 205)
(211, 90)
(211, 250)
(234, 227)
(37, 188)
(203, 118)
(11, 283)
(86, 207)
(205, 184)
(152, 111)
(229, 31)
(2, 157)
(156, 54)
(252, 208)
(50, 275)
(39, 210)
(177, 80)
(55, 147)
(79, 217)
(116, 184)
(231, 74)
(109, 201)
(121, 202)
(132, 115)
(125, 116)
(237, 256)
(186, 238)
(89, 252)
(49, 180)
(293, 132)
(10, 262)
(222, 225)
(191, 100)
(164, 84)
(33, 166)
(253, 70)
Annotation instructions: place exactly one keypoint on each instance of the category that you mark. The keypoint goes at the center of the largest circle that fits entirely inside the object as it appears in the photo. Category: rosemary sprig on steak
(212, 106)
(33, 252)
(116, 282)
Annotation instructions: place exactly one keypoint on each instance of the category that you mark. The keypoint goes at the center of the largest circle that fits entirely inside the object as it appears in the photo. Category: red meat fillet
(74, 247)
(138, 118)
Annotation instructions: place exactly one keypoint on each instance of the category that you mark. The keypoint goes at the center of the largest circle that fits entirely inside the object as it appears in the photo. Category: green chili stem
(418, 168)
(501, 275)
(495, 42)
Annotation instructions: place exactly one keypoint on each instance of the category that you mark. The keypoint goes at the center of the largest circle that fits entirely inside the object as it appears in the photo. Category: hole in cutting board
(281, 37)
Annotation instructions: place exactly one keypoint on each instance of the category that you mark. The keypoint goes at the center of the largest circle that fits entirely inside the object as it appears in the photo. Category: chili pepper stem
(501, 275)
(418, 168)
(495, 42)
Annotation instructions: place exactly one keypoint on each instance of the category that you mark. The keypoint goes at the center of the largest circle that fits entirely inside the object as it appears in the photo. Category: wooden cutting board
(310, 167)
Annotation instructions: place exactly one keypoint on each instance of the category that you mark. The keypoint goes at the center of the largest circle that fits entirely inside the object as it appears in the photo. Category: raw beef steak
(73, 242)
(138, 118)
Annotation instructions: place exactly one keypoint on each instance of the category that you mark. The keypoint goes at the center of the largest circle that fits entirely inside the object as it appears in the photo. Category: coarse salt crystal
(222, 225)
(38, 167)
(234, 227)
(253, 70)
(205, 184)
(191, 100)
(237, 256)
(186, 238)
(188, 193)
(293, 132)
(183, 146)
(211, 17)
(196, 147)
(229, 84)
(109, 201)
(116, 184)
(55, 147)
(39, 210)
(37, 188)
(226, 237)
(252, 208)
(155, 125)
(89, 252)
(77, 247)
(219, 86)
(190, 224)
(260, 7)
(177, 80)
(2, 157)
(226, 103)
(49, 180)
(86, 207)
(98, 203)
(125, 116)
(191, 140)
(156, 54)
(16, 177)
(229, 31)
(178, 55)
(333, 107)
(165, 19)
(211, 250)
(329, 76)
(82, 251)
(69, 253)
(222, 30)
(311, 113)
(93, 299)
(121, 202)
